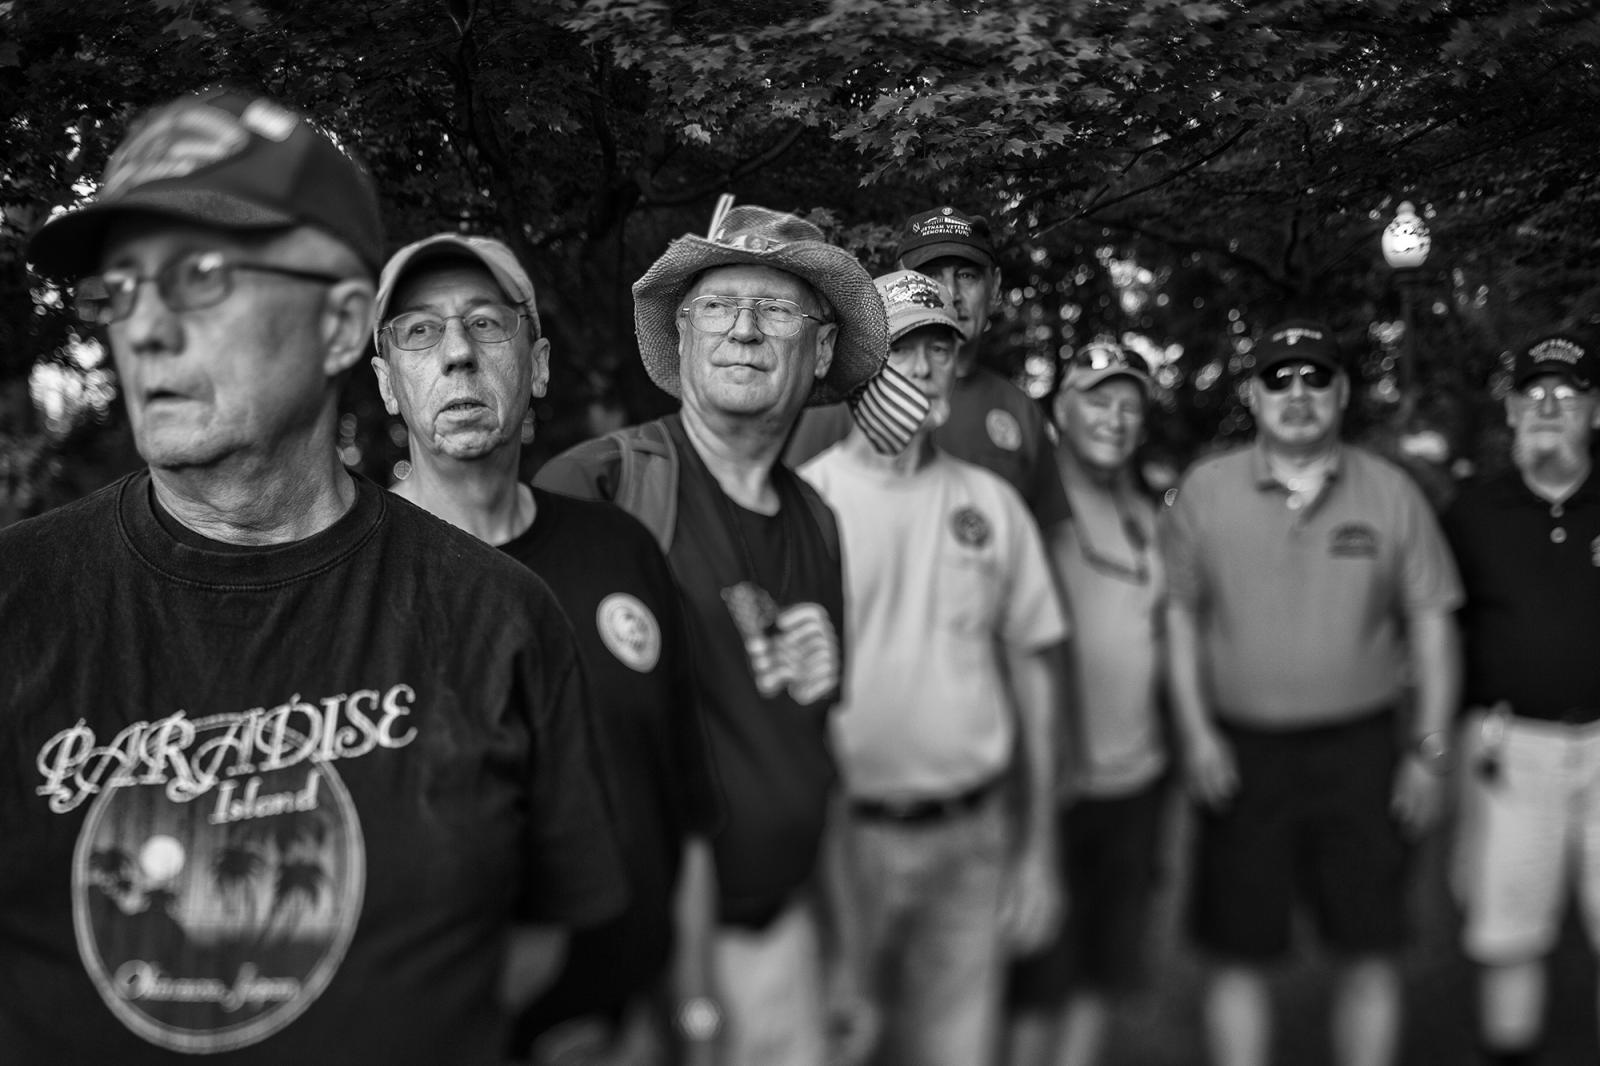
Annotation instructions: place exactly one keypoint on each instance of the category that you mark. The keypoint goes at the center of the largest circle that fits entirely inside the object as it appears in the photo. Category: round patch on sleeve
(969, 527)
(1004, 429)
(630, 631)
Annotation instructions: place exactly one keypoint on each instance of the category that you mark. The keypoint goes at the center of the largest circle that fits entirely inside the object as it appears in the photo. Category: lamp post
(1405, 248)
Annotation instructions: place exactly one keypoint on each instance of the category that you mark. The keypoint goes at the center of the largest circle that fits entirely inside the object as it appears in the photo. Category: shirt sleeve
(1034, 615)
(1429, 579)
(1046, 495)
(575, 873)
(1178, 532)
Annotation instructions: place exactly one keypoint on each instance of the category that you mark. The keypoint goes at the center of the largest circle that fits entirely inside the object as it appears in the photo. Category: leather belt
(924, 809)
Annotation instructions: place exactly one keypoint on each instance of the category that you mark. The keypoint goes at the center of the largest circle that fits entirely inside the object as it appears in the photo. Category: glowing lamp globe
(1405, 239)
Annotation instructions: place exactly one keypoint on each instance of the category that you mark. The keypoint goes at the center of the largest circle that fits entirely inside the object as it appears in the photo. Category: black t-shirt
(1531, 570)
(279, 804)
(766, 700)
(614, 584)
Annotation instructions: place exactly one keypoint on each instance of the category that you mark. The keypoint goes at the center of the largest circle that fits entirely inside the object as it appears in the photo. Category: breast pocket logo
(629, 631)
(1353, 540)
(970, 528)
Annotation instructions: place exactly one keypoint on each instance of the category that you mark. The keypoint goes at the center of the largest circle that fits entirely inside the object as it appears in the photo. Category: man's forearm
(1436, 664)
(1189, 704)
(1037, 690)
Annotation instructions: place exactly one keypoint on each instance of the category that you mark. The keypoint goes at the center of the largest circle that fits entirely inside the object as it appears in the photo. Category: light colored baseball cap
(496, 257)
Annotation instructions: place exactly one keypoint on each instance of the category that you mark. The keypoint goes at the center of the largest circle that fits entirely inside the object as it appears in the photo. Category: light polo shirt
(1115, 584)
(1301, 611)
(942, 567)
(1531, 623)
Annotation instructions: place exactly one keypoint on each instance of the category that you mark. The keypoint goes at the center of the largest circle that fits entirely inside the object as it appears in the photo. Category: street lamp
(1405, 248)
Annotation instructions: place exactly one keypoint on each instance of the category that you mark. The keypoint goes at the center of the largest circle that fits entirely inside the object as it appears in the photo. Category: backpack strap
(647, 478)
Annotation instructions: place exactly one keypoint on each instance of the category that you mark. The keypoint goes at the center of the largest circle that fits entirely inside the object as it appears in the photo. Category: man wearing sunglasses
(1062, 998)
(460, 359)
(952, 614)
(286, 755)
(1306, 575)
(1528, 543)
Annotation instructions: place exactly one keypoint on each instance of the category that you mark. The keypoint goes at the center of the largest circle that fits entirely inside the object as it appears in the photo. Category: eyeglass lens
(415, 331)
(1280, 377)
(188, 283)
(717, 314)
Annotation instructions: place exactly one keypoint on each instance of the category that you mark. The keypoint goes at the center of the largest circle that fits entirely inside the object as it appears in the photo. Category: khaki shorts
(1527, 831)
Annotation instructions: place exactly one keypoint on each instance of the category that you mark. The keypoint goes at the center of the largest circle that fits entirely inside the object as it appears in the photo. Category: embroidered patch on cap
(175, 142)
(1556, 350)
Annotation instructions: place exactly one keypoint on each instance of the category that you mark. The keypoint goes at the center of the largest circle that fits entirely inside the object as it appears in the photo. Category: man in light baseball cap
(953, 620)
(329, 747)
(459, 361)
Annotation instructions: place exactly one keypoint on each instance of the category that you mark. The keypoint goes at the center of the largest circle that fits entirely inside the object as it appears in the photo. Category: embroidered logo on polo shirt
(1353, 540)
(629, 631)
(1003, 429)
(970, 527)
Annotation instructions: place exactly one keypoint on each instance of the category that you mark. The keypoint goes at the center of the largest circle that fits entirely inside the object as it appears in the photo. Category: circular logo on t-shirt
(630, 631)
(970, 527)
(1004, 429)
(218, 875)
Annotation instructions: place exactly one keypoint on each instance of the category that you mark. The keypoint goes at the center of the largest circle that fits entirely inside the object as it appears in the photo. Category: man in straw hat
(459, 360)
(326, 748)
(952, 614)
(748, 326)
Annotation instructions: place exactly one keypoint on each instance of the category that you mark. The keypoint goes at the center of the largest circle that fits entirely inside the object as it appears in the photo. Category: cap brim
(1551, 369)
(927, 253)
(70, 244)
(1266, 363)
(921, 319)
(1084, 378)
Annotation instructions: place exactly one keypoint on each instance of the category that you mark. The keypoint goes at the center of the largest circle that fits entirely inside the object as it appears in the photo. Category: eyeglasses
(188, 283)
(1103, 356)
(774, 317)
(417, 331)
(936, 354)
(1280, 377)
(1565, 396)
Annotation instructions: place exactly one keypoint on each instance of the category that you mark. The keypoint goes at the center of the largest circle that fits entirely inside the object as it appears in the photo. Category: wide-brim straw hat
(759, 236)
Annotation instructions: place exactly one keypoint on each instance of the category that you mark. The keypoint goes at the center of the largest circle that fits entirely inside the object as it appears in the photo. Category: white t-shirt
(941, 566)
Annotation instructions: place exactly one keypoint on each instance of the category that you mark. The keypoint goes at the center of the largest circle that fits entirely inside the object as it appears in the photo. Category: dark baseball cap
(226, 159)
(945, 231)
(1298, 340)
(1555, 353)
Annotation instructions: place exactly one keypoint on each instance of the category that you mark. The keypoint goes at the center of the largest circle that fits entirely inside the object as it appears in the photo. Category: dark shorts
(1109, 851)
(1310, 824)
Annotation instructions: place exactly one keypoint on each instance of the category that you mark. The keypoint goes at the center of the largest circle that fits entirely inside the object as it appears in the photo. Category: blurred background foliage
(1178, 174)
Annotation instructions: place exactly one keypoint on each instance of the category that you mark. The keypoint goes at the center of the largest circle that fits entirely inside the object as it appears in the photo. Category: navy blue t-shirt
(615, 587)
(280, 804)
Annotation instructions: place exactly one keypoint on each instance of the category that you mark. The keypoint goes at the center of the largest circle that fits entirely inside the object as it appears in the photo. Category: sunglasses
(1280, 377)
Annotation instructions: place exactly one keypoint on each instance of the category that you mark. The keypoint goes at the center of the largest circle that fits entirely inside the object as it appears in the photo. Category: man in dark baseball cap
(280, 819)
(226, 159)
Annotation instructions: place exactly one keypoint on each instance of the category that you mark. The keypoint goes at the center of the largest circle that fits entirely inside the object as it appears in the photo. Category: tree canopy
(1177, 173)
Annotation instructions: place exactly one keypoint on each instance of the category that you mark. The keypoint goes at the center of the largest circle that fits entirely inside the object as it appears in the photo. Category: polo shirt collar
(1262, 472)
